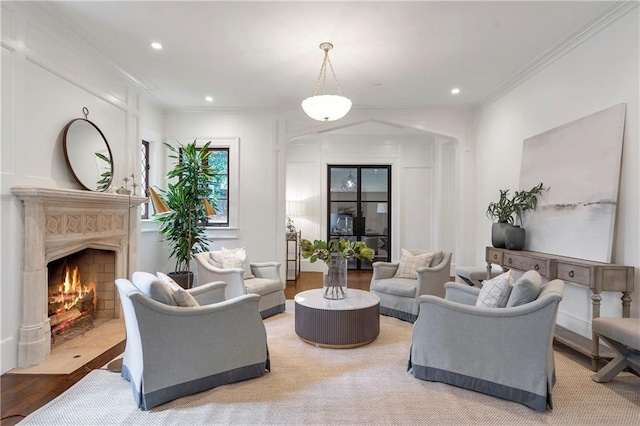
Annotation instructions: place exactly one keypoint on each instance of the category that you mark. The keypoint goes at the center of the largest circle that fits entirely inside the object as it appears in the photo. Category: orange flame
(70, 291)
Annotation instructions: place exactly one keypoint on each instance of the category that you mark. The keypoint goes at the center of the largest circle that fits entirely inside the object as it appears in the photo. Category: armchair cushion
(495, 292)
(403, 287)
(526, 289)
(410, 263)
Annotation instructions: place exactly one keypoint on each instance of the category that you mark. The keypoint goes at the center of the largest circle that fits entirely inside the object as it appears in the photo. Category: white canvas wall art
(580, 163)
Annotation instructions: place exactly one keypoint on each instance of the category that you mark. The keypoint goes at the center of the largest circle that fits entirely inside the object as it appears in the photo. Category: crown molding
(563, 46)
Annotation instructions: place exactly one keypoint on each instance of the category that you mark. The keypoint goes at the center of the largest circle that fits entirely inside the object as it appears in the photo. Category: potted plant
(183, 226)
(523, 201)
(504, 210)
(501, 212)
(335, 254)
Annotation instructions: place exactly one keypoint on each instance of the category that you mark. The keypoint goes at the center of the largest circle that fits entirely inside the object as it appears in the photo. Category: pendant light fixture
(350, 183)
(323, 107)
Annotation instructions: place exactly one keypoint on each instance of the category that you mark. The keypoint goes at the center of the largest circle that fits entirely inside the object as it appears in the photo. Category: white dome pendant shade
(326, 107)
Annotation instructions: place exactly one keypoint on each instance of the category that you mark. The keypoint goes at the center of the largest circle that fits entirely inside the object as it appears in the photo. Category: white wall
(46, 81)
(597, 74)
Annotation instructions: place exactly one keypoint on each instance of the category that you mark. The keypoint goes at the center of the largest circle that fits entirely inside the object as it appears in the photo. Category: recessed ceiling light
(156, 45)
(208, 99)
(455, 91)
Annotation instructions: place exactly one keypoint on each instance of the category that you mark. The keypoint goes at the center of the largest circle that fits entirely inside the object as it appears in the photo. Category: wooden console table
(597, 276)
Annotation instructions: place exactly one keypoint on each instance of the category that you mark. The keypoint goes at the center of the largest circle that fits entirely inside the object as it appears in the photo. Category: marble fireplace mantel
(59, 222)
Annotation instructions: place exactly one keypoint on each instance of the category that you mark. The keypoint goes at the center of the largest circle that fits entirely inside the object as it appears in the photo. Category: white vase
(334, 281)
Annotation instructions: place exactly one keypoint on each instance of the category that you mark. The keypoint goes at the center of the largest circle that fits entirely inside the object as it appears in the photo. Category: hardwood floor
(310, 280)
(21, 394)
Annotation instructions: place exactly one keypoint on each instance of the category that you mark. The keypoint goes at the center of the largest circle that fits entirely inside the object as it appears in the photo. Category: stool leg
(615, 366)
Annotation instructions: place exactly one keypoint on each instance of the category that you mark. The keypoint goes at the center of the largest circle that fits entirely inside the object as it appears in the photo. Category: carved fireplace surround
(59, 222)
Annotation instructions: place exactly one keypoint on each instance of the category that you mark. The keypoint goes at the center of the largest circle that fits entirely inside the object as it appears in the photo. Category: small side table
(293, 255)
(346, 323)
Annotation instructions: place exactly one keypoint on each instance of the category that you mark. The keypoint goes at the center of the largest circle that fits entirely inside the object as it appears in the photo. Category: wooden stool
(623, 336)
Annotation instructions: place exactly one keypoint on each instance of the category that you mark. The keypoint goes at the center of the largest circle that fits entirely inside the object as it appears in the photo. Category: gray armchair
(399, 296)
(174, 351)
(504, 352)
(266, 282)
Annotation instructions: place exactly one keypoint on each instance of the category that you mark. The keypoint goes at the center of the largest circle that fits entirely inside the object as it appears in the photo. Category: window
(219, 160)
(144, 178)
(225, 158)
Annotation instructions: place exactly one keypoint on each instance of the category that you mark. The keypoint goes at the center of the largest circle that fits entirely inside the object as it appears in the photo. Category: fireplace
(67, 223)
(80, 291)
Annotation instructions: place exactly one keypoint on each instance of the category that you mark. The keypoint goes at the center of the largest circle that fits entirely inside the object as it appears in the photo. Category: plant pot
(515, 238)
(334, 281)
(498, 234)
(184, 279)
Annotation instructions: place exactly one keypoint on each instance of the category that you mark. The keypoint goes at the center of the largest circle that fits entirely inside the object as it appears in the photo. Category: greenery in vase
(323, 250)
(501, 210)
(504, 209)
(105, 177)
(526, 200)
(290, 225)
(184, 226)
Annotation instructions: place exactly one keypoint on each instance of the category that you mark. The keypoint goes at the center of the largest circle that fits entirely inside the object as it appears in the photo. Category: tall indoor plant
(184, 225)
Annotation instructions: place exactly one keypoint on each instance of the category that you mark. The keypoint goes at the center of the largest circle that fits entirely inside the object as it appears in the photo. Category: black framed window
(219, 160)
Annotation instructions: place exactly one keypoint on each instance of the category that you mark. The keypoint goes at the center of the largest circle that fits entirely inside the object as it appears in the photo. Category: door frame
(360, 233)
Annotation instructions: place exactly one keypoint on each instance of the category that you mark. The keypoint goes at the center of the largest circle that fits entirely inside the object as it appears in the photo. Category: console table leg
(488, 270)
(626, 304)
(595, 340)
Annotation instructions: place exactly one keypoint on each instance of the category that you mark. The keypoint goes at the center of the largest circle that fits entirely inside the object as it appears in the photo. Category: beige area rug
(368, 385)
(67, 357)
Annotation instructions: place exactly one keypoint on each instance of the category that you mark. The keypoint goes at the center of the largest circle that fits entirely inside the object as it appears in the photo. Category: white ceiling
(266, 55)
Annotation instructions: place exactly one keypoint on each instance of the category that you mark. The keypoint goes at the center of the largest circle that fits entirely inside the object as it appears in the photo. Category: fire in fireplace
(79, 291)
(70, 301)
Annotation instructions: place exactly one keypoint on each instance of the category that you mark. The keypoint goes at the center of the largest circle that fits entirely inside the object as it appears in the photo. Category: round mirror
(88, 155)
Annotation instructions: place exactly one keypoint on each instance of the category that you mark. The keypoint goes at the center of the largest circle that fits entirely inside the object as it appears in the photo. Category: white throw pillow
(180, 295)
(495, 292)
(234, 258)
(410, 263)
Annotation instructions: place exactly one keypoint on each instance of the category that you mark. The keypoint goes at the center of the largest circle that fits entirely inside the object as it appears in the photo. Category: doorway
(359, 208)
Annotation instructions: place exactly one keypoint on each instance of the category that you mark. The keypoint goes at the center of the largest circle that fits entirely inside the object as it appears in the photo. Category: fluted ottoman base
(346, 323)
